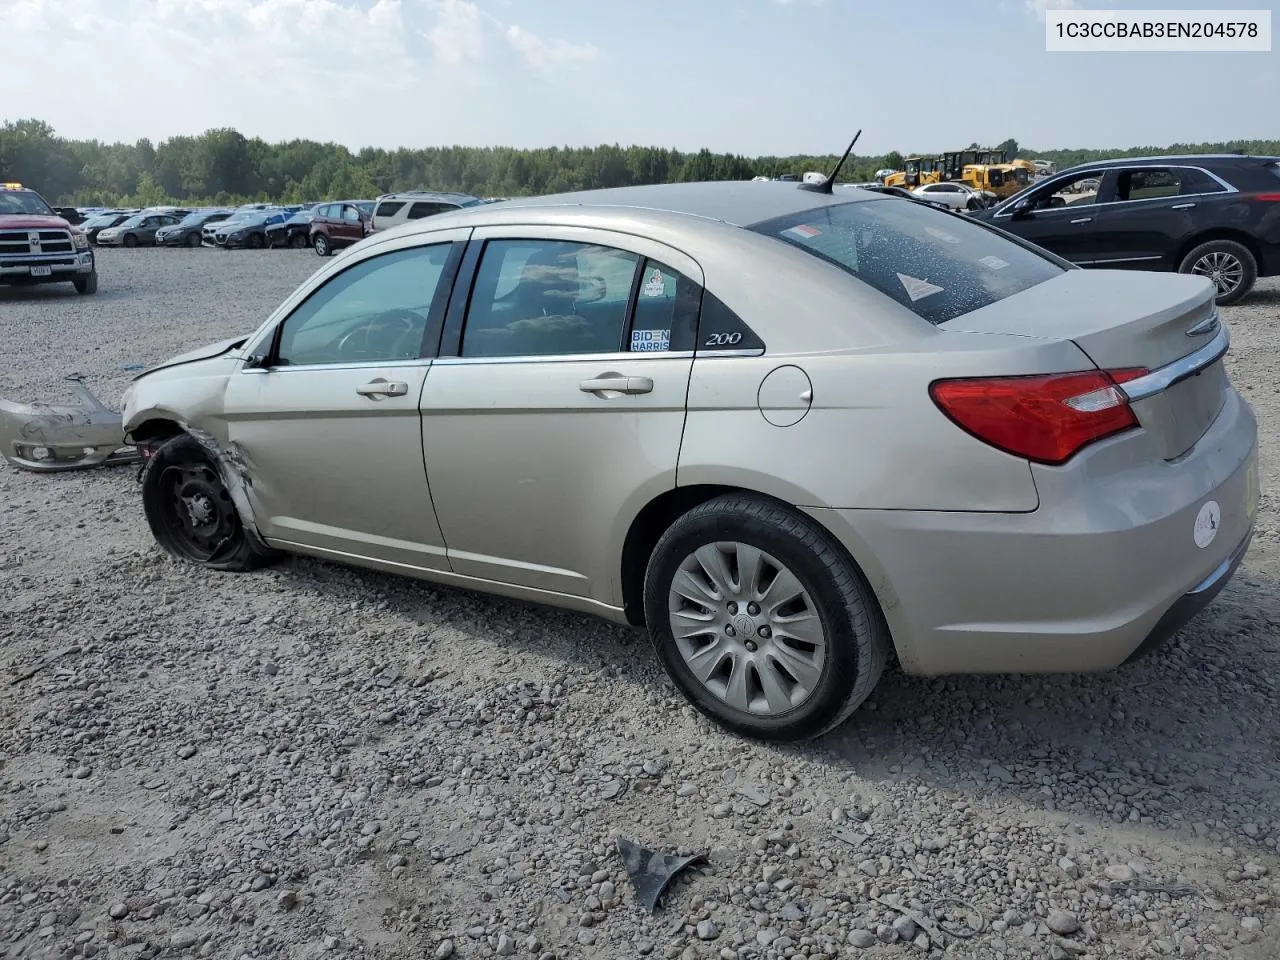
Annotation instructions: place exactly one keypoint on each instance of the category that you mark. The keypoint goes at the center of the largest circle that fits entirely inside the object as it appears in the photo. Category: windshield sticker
(650, 341)
(656, 285)
(916, 288)
(995, 263)
(942, 235)
(803, 232)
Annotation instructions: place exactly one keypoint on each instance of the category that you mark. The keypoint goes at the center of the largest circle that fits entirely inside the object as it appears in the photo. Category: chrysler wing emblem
(1205, 326)
(33, 240)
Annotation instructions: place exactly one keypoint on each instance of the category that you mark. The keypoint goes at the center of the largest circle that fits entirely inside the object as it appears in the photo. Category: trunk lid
(1122, 320)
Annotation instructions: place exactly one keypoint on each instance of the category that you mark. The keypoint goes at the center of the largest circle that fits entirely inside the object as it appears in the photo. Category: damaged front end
(48, 437)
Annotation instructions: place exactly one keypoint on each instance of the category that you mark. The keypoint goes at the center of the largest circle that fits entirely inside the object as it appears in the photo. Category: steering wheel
(398, 324)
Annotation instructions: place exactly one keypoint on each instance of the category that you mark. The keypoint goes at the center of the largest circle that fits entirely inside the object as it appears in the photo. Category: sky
(754, 77)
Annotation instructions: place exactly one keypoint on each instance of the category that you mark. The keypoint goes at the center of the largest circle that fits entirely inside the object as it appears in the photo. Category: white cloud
(328, 69)
(542, 53)
(459, 31)
(1039, 7)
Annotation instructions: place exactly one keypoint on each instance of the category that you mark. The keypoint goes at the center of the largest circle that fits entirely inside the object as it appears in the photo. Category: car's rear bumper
(1079, 584)
(61, 266)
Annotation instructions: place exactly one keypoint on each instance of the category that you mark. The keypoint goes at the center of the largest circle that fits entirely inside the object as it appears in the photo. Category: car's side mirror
(257, 361)
(1023, 208)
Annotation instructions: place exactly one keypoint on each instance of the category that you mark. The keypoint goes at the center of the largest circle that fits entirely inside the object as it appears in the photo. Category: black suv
(1217, 216)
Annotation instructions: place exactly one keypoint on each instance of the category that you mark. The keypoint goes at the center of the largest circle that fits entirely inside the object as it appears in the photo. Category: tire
(130, 240)
(322, 244)
(1228, 265)
(193, 240)
(855, 640)
(298, 241)
(179, 478)
(86, 285)
(255, 241)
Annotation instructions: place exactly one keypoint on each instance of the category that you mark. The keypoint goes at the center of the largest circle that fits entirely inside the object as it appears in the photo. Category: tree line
(224, 167)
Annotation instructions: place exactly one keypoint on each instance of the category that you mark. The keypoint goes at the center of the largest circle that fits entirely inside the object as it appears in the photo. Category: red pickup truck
(38, 246)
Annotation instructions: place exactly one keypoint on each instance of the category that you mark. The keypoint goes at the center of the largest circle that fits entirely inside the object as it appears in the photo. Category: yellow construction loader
(916, 171)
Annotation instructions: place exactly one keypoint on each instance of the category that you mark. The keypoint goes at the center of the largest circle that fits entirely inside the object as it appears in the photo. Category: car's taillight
(1048, 419)
(1267, 197)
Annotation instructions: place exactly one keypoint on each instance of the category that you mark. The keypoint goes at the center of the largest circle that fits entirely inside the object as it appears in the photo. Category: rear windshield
(936, 264)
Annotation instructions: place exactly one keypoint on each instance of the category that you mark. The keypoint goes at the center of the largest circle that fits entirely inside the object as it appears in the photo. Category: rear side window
(937, 265)
(389, 208)
(665, 316)
(420, 209)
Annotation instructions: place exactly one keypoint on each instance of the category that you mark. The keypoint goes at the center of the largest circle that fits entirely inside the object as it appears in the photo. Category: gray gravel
(314, 761)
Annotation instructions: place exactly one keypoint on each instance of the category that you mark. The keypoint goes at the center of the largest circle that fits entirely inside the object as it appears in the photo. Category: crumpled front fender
(47, 437)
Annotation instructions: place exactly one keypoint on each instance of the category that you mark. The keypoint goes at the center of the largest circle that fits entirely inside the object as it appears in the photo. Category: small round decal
(1207, 520)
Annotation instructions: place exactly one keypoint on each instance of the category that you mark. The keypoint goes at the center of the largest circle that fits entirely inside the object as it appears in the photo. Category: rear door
(1153, 210)
(329, 427)
(557, 405)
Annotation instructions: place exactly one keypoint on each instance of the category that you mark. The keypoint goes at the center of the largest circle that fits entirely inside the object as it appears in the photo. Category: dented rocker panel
(50, 437)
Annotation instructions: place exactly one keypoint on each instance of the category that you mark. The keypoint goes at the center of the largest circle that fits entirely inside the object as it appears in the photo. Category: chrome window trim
(360, 365)
(615, 356)
(1181, 369)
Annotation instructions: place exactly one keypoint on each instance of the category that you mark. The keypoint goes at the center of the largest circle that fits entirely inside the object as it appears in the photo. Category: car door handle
(375, 389)
(614, 383)
(1182, 206)
(1083, 220)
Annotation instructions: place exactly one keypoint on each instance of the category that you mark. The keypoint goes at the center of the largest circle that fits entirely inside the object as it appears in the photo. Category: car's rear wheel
(1230, 266)
(190, 510)
(298, 241)
(130, 240)
(762, 620)
(86, 284)
(322, 245)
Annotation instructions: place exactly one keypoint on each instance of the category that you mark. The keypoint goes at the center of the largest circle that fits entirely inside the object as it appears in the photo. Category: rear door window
(1139, 184)
(937, 265)
(422, 209)
(389, 208)
(548, 297)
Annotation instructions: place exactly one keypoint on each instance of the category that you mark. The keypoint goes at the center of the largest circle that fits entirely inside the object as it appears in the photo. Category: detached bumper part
(47, 437)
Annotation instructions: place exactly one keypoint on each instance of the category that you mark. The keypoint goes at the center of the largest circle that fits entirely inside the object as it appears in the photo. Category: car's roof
(737, 202)
(426, 195)
(1185, 159)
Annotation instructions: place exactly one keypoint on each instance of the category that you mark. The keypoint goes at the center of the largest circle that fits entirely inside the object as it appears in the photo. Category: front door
(1063, 221)
(562, 411)
(329, 428)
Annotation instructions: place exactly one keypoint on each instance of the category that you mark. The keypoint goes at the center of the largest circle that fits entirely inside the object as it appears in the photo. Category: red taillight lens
(1048, 419)
(1267, 197)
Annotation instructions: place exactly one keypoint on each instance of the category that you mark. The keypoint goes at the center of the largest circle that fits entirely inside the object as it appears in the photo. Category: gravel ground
(312, 760)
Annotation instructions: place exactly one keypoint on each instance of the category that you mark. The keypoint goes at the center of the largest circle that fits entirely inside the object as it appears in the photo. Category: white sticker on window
(650, 341)
(995, 263)
(916, 288)
(656, 286)
(942, 235)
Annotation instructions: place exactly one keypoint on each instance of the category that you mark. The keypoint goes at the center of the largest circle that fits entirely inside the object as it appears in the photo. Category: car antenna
(827, 185)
